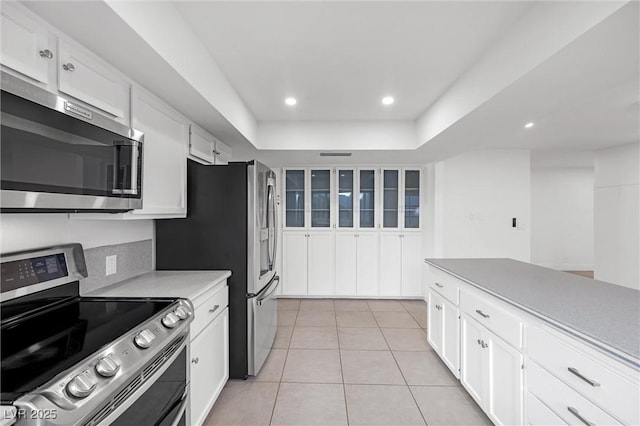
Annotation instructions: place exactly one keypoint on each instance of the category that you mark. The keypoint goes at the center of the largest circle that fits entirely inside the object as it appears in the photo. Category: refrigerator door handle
(271, 223)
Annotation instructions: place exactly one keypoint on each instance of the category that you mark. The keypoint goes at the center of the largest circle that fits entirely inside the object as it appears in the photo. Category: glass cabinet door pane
(320, 198)
(367, 198)
(412, 199)
(390, 199)
(294, 198)
(345, 198)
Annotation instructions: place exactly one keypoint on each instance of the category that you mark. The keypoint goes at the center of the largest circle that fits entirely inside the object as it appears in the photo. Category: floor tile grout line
(275, 401)
(344, 388)
(409, 388)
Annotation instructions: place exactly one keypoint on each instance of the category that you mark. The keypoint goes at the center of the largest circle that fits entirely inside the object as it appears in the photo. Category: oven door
(58, 156)
(164, 403)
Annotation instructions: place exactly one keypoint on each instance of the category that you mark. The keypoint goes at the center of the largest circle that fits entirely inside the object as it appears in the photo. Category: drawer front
(503, 323)
(607, 389)
(444, 284)
(539, 414)
(208, 310)
(572, 407)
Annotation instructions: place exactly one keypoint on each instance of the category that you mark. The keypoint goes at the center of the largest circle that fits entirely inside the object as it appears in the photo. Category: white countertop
(184, 284)
(602, 313)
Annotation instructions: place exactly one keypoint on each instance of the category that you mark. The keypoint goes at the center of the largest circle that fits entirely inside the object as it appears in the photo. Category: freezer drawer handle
(274, 282)
(579, 416)
(576, 373)
(215, 308)
(482, 314)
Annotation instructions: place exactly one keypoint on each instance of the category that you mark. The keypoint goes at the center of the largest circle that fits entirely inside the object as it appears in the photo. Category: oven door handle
(181, 410)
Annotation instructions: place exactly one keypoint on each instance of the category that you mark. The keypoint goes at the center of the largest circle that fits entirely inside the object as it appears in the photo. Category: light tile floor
(357, 362)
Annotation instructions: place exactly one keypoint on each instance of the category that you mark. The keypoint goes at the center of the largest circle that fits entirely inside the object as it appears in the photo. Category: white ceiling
(340, 58)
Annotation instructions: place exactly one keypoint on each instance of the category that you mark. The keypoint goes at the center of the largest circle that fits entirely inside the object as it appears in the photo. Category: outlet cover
(112, 265)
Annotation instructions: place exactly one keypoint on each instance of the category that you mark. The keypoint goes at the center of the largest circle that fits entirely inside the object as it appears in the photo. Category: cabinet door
(86, 78)
(412, 264)
(223, 153)
(321, 198)
(390, 265)
(451, 336)
(346, 198)
(472, 362)
(295, 263)
(346, 263)
(368, 264)
(294, 198)
(201, 146)
(411, 199)
(434, 321)
(209, 366)
(390, 198)
(366, 198)
(321, 276)
(164, 180)
(25, 47)
(505, 392)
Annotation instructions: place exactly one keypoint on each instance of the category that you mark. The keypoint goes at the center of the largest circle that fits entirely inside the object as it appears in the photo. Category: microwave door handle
(133, 178)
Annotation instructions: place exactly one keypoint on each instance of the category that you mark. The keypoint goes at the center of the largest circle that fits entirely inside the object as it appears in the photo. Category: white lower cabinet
(309, 263)
(491, 371)
(539, 414)
(209, 352)
(356, 264)
(443, 330)
(400, 264)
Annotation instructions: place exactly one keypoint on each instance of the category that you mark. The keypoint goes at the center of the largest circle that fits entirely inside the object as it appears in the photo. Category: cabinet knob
(482, 314)
(439, 285)
(68, 67)
(46, 53)
(195, 360)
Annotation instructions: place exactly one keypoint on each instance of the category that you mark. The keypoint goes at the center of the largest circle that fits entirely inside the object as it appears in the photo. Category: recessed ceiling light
(528, 125)
(290, 101)
(387, 100)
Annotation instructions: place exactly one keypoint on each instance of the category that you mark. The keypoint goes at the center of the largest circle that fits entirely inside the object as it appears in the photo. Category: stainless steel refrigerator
(231, 224)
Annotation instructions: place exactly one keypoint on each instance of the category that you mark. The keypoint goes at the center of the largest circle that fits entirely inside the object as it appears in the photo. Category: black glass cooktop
(41, 342)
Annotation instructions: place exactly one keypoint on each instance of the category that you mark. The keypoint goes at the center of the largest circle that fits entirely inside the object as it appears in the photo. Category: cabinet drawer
(503, 323)
(539, 414)
(444, 284)
(607, 389)
(572, 407)
(207, 308)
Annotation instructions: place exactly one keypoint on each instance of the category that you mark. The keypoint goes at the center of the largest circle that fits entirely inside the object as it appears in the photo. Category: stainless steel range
(71, 360)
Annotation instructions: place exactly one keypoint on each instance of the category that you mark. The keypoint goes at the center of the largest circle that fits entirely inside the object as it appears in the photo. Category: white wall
(337, 135)
(617, 215)
(562, 218)
(476, 195)
(28, 231)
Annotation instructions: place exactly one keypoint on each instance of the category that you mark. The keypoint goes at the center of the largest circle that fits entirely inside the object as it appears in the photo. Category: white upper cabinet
(206, 149)
(346, 198)
(295, 188)
(321, 204)
(367, 199)
(401, 199)
(202, 146)
(26, 47)
(88, 79)
(164, 180)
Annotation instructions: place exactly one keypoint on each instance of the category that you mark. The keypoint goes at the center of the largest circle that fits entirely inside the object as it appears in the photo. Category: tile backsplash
(133, 259)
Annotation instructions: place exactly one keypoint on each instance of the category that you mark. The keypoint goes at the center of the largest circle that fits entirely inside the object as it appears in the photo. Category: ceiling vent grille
(335, 154)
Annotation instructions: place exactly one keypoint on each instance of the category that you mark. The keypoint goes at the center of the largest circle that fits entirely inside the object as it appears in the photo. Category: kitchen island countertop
(604, 314)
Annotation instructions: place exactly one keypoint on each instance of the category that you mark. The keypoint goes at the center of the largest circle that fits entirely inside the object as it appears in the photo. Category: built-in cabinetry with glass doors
(352, 231)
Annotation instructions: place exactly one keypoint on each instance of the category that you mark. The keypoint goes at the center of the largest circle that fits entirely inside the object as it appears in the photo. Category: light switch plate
(112, 265)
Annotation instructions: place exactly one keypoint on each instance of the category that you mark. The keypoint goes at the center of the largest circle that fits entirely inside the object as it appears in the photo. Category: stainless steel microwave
(58, 156)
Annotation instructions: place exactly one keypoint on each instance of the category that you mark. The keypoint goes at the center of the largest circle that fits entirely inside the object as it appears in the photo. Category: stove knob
(181, 313)
(170, 320)
(81, 386)
(107, 367)
(144, 339)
